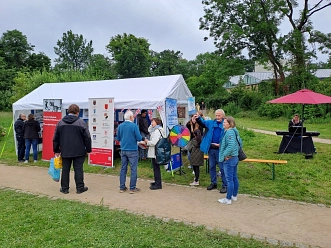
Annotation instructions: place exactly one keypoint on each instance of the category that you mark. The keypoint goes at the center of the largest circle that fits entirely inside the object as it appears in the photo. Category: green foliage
(38, 62)
(15, 49)
(231, 108)
(272, 110)
(131, 55)
(102, 67)
(238, 26)
(25, 82)
(74, 52)
(165, 62)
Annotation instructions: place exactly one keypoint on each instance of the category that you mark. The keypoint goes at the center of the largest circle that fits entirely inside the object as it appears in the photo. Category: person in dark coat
(31, 129)
(72, 140)
(143, 129)
(196, 158)
(18, 126)
(192, 125)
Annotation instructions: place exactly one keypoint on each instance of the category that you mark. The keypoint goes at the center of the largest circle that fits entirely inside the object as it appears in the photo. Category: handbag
(241, 154)
(54, 173)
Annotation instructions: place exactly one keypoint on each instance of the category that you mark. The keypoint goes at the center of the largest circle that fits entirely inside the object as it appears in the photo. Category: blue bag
(54, 173)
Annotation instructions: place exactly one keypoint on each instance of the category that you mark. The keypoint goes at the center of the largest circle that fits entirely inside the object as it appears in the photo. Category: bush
(231, 109)
(272, 110)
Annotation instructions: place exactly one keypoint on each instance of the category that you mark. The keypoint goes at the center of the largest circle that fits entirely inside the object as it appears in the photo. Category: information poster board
(171, 113)
(101, 126)
(191, 106)
(52, 114)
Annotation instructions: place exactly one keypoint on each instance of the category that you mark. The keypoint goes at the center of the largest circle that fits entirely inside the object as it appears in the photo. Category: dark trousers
(196, 170)
(79, 172)
(20, 147)
(157, 173)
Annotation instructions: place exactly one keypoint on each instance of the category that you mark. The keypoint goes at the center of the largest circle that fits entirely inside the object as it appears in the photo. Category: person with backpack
(196, 158)
(156, 133)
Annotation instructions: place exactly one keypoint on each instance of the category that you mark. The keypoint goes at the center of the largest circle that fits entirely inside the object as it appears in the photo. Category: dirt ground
(275, 220)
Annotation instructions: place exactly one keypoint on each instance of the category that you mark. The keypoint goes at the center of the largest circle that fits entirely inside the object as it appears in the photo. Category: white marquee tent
(133, 93)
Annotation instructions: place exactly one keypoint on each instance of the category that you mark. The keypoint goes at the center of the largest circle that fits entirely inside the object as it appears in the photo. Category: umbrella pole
(302, 116)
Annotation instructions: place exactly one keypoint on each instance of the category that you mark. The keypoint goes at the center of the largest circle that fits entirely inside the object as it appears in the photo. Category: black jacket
(72, 137)
(31, 129)
(143, 124)
(18, 126)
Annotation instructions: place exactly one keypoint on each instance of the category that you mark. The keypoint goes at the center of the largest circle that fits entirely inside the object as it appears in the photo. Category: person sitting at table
(295, 121)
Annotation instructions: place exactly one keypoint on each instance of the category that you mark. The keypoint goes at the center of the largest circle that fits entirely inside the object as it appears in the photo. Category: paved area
(277, 221)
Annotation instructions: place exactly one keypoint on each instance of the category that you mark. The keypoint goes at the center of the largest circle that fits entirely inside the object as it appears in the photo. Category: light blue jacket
(206, 141)
(229, 144)
(128, 134)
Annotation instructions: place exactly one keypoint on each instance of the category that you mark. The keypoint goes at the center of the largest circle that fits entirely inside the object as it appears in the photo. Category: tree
(38, 62)
(131, 55)
(74, 52)
(255, 26)
(101, 66)
(213, 71)
(15, 49)
(165, 62)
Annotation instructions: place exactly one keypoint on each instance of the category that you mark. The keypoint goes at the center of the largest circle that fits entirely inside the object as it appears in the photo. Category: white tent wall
(131, 93)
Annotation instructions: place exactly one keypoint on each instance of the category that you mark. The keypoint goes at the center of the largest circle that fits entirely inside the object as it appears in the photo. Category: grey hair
(220, 111)
(127, 115)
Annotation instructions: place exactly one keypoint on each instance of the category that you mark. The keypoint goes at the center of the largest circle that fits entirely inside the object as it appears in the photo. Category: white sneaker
(35, 161)
(234, 198)
(195, 183)
(26, 161)
(224, 201)
(190, 167)
(193, 173)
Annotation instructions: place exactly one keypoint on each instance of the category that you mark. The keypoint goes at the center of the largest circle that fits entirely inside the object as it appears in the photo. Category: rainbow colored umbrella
(179, 135)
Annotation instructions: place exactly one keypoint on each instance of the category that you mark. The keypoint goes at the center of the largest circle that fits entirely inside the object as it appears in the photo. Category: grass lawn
(32, 221)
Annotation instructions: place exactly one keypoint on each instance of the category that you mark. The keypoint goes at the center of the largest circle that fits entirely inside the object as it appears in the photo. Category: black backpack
(163, 150)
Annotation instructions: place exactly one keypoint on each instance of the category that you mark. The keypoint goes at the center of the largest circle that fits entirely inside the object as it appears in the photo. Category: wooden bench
(271, 163)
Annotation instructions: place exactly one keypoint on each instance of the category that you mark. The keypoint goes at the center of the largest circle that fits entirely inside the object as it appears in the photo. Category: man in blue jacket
(210, 145)
(128, 134)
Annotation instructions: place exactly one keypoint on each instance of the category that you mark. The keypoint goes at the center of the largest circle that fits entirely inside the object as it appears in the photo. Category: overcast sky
(166, 24)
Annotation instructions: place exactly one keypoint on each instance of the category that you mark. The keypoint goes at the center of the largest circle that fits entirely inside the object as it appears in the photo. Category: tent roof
(147, 93)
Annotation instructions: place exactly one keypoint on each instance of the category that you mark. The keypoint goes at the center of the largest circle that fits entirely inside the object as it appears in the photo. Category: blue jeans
(231, 169)
(28, 143)
(213, 160)
(126, 158)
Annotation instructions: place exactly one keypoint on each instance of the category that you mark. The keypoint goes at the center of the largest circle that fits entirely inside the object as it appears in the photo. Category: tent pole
(303, 110)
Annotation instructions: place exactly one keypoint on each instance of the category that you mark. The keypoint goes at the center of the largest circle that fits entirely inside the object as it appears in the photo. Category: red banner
(50, 121)
(100, 156)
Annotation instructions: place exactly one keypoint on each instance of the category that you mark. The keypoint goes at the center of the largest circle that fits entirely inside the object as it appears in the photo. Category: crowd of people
(27, 135)
(217, 138)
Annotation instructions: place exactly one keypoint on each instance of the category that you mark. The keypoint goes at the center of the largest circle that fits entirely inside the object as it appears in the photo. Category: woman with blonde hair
(228, 154)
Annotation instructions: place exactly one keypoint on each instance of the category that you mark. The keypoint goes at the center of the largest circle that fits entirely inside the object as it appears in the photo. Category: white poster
(101, 126)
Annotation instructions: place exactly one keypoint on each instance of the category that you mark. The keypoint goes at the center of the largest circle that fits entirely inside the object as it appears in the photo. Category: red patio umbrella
(303, 97)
